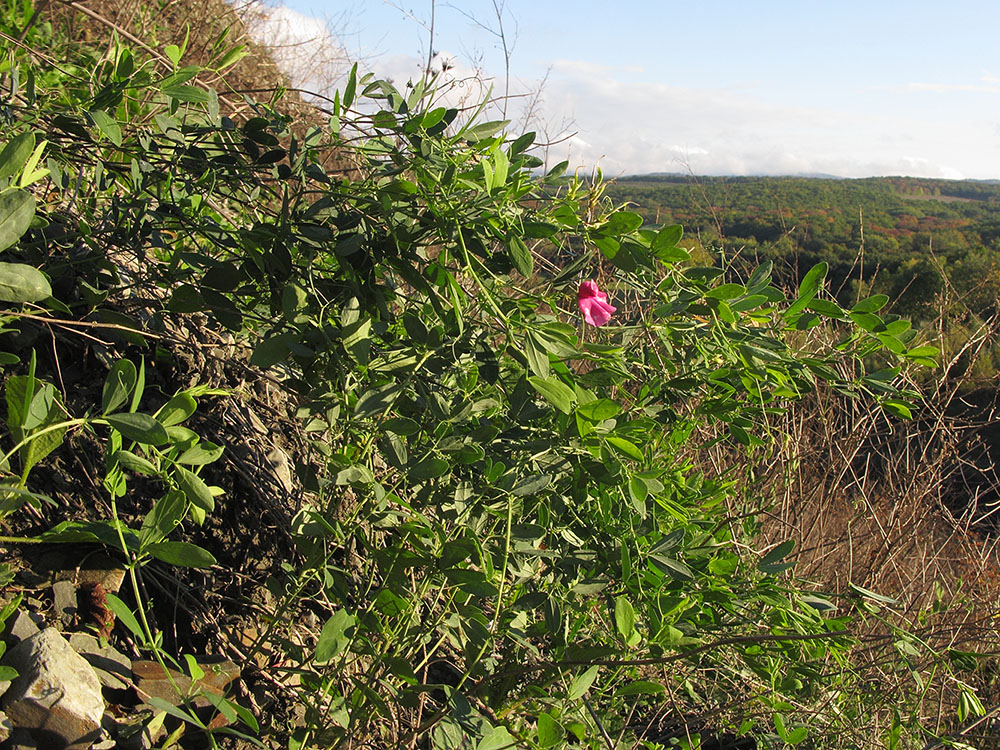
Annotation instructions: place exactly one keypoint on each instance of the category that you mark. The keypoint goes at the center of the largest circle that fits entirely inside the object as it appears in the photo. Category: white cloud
(947, 88)
(636, 127)
(302, 47)
(609, 117)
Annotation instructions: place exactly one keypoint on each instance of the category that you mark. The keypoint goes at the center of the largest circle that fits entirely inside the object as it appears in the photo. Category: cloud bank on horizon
(625, 119)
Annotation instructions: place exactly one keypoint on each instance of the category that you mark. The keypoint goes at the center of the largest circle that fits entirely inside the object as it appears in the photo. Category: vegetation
(930, 245)
(355, 420)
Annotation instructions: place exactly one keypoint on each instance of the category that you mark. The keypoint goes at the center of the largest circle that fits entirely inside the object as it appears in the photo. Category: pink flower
(594, 304)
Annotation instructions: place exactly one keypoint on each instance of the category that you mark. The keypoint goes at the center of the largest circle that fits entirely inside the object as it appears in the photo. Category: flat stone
(64, 601)
(57, 694)
(98, 568)
(113, 668)
(152, 682)
(21, 626)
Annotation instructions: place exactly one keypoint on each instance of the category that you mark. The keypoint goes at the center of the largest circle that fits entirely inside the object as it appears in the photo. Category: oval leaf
(581, 683)
(183, 554)
(118, 385)
(195, 490)
(17, 207)
(22, 283)
(134, 463)
(599, 410)
(176, 410)
(555, 392)
(15, 154)
(141, 428)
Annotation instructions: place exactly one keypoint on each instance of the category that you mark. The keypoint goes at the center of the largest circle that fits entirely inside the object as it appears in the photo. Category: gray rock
(113, 668)
(57, 694)
(64, 601)
(22, 626)
(97, 568)
(277, 459)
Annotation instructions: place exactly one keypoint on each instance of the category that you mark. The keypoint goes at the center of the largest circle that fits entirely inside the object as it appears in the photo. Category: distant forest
(932, 245)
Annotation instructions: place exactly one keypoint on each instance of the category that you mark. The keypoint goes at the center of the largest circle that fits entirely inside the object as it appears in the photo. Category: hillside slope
(347, 428)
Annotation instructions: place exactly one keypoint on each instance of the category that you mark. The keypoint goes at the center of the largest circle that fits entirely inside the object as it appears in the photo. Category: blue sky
(846, 88)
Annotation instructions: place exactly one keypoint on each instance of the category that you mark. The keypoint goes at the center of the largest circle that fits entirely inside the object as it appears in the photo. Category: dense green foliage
(914, 233)
(505, 528)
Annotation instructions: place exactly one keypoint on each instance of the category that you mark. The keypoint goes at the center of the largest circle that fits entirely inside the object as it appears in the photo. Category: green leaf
(203, 453)
(531, 485)
(176, 410)
(673, 568)
(134, 463)
(497, 738)
(669, 236)
(622, 222)
(599, 410)
(770, 563)
(624, 616)
(625, 447)
(641, 687)
(166, 513)
(872, 304)
(172, 710)
(501, 166)
(897, 408)
(15, 153)
(549, 731)
(538, 358)
(808, 288)
(868, 594)
(273, 350)
(377, 400)
(125, 616)
(350, 88)
(433, 117)
(521, 255)
(812, 281)
(195, 490)
(827, 308)
(923, 353)
(429, 468)
(173, 52)
(20, 283)
(555, 392)
(582, 682)
(141, 428)
(231, 57)
(103, 532)
(107, 126)
(334, 637)
(401, 426)
(484, 130)
(118, 385)
(31, 174)
(760, 278)
(182, 554)
(186, 93)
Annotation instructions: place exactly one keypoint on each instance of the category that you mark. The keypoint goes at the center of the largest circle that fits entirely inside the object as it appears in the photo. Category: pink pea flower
(594, 304)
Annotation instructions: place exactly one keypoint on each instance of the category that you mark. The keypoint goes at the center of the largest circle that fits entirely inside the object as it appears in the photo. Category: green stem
(44, 431)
